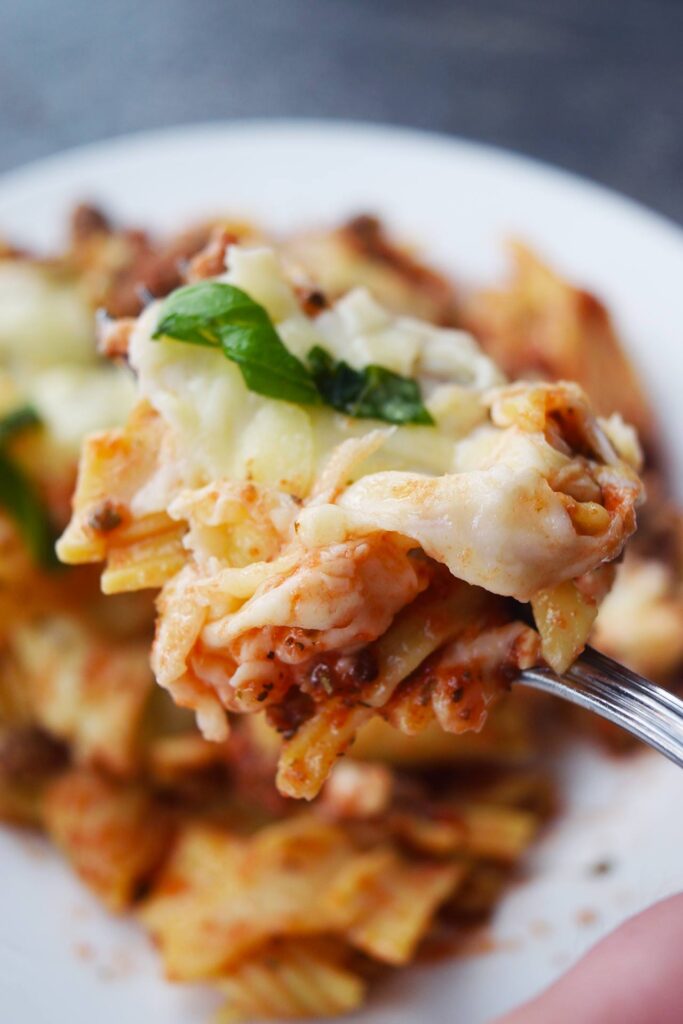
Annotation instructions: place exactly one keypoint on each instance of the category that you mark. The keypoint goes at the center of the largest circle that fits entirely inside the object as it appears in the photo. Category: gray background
(593, 85)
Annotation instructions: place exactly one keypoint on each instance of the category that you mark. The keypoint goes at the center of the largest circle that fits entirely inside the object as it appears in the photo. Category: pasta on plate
(340, 529)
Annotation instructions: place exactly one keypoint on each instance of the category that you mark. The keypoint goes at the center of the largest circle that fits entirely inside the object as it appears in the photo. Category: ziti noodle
(356, 530)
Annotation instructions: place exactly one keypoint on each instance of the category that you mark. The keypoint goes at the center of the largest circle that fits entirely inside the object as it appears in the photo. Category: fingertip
(633, 976)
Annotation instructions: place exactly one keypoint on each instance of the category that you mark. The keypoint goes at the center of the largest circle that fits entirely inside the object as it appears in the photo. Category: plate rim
(60, 161)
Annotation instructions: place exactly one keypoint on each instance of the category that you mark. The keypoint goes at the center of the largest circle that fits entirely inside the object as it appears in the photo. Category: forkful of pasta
(344, 510)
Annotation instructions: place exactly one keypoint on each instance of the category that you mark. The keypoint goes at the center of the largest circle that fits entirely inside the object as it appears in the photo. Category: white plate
(60, 956)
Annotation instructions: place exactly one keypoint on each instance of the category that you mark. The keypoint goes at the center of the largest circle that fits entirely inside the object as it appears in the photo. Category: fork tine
(602, 685)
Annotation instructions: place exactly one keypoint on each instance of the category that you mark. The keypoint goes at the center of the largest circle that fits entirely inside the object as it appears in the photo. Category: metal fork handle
(602, 685)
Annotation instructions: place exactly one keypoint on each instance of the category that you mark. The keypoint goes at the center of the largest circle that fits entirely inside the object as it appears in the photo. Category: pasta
(292, 546)
(314, 584)
(289, 981)
(110, 833)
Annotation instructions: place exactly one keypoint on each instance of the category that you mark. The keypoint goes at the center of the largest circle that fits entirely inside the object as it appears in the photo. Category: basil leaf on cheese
(370, 393)
(218, 315)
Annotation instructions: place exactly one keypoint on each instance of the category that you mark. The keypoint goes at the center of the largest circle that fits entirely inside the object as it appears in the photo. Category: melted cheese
(220, 429)
(74, 401)
(44, 320)
(472, 491)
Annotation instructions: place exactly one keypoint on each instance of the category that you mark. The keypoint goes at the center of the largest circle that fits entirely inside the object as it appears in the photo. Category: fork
(609, 689)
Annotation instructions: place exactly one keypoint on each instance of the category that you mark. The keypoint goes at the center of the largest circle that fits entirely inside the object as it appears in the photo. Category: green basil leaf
(19, 419)
(17, 494)
(218, 315)
(371, 393)
(19, 498)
